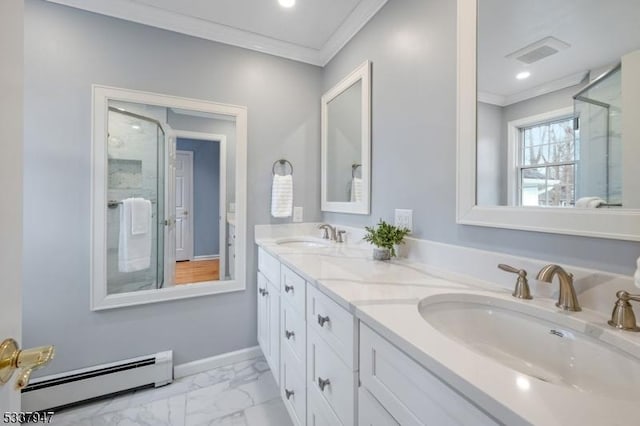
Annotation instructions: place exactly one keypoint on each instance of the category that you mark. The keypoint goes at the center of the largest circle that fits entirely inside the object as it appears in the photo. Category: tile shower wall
(132, 150)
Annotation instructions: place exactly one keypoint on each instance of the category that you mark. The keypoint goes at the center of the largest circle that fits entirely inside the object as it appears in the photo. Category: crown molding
(543, 89)
(159, 18)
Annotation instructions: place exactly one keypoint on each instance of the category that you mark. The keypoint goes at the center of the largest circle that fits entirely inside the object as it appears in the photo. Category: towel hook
(354, 167)
(282, 162)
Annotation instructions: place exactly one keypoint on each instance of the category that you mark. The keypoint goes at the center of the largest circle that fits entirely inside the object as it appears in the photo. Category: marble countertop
(386, 295)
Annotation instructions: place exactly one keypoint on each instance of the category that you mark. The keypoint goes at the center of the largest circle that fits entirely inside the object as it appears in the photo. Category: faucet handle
(340, 237)
(522, 284)
(325, 235)
(622, 316)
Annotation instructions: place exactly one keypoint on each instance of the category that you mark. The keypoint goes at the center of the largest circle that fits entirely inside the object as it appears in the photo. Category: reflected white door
(184, 197)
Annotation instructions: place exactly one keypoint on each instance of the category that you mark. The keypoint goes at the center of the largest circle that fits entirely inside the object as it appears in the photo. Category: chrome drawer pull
(261, 291)
(287, 288)
(322, 320)
(288, 393)
(289, 334)
(322, 383)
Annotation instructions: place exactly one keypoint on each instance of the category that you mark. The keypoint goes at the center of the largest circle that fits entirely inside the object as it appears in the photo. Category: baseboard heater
(78, 386)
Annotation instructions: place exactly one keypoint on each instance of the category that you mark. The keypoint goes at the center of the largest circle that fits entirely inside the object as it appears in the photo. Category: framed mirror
(168, 198)
(548, 113)
(346, 144)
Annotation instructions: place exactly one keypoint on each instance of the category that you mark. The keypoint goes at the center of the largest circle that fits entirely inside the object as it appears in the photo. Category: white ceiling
(599, 33)
(312, 31)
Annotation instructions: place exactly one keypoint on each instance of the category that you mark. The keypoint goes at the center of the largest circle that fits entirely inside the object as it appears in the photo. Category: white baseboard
(205, 364)
(206, 257)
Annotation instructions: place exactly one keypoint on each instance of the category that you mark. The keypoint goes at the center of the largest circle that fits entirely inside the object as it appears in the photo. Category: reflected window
(547, 163)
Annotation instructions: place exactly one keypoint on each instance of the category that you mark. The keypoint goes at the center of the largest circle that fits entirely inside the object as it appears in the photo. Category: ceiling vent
(539, 50)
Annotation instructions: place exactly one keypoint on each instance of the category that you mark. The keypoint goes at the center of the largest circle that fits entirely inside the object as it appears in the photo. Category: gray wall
(412, 44)
(491, 157)
(206, 194)
(65, 52)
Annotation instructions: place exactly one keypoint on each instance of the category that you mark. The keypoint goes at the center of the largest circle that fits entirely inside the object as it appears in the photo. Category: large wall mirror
(346, 144)
(168, 198)
(548, 112)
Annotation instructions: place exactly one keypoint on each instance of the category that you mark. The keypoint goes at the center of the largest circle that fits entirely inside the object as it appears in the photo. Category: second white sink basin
(533, 344)
(303, 242)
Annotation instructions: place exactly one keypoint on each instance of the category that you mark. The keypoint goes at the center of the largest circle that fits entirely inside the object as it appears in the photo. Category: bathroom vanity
(355, 341)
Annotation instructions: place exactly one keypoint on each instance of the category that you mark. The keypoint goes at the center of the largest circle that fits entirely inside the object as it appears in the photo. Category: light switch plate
(297, 214)
(404, 219)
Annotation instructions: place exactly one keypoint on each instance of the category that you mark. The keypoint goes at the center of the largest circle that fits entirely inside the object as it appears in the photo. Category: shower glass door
(135, 169)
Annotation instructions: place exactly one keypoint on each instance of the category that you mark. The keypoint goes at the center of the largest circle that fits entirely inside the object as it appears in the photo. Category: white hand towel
(282, 196)
(356, 189)
(589, 202)
(134, 249)
(636, 276)
(140, 216)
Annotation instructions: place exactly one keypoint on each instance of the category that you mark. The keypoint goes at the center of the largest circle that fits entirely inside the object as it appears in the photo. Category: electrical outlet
(404, 219)
(297, 214)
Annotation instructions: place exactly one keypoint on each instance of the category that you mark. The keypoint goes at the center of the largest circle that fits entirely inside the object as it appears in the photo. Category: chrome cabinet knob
(323, 383)
(288, 393)
(288, 288)
(322, 320)
(289, 334)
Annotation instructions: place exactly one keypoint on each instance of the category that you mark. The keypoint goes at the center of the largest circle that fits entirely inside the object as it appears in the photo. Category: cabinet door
(263, 317)
(371, 413)
(319, 413)
(273, 329)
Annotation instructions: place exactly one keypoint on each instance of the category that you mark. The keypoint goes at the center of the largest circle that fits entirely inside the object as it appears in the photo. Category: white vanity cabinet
(232, 251)
(332, 361)
(406, 391)
(269, 310)
(293, 346)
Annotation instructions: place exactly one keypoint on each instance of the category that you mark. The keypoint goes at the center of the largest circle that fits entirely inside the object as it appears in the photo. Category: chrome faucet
(622, 316)
(567, 298)
(328, 228)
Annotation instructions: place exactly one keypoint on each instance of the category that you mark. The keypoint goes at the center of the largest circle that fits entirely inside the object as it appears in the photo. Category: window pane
(548, 186)
(548, 143)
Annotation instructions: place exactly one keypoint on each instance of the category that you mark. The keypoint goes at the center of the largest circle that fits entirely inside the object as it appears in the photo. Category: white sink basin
(303, 242)
(534, 344)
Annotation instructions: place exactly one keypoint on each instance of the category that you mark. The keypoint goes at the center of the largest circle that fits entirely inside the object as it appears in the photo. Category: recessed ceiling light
(287, 3)
(523, 75)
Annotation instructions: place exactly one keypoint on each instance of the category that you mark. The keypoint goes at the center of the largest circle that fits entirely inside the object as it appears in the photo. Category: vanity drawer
(328, 374)
(293, 332)
(269, 266)
(319, 413)
(334, 324)
(408, 391)
(293, 387)
(293, 289)
(371, 413)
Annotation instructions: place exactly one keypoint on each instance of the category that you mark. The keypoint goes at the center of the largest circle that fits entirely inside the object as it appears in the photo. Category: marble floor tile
(241, 394)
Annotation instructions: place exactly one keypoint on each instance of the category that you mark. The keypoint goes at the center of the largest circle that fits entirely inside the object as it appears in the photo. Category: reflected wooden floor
(197, 271)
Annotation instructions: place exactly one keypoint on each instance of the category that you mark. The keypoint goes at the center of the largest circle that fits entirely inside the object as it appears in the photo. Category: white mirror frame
(363, 72)
(609, 223)
(100, 299)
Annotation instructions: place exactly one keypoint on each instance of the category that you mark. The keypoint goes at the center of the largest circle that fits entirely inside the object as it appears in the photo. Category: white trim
(513, 144)
(206, 364)
(205, 257)
(157, 17)
(99, 299)
(362, 73)
(543, 89)
(222, 193)
(191, 249)
(613, 224)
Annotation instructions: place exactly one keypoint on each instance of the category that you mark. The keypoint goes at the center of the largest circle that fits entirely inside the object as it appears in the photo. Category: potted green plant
(384, 237)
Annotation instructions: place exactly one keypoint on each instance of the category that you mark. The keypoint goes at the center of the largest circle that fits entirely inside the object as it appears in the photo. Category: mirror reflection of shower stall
(598, 108)
(135, 151)
(189, 210)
